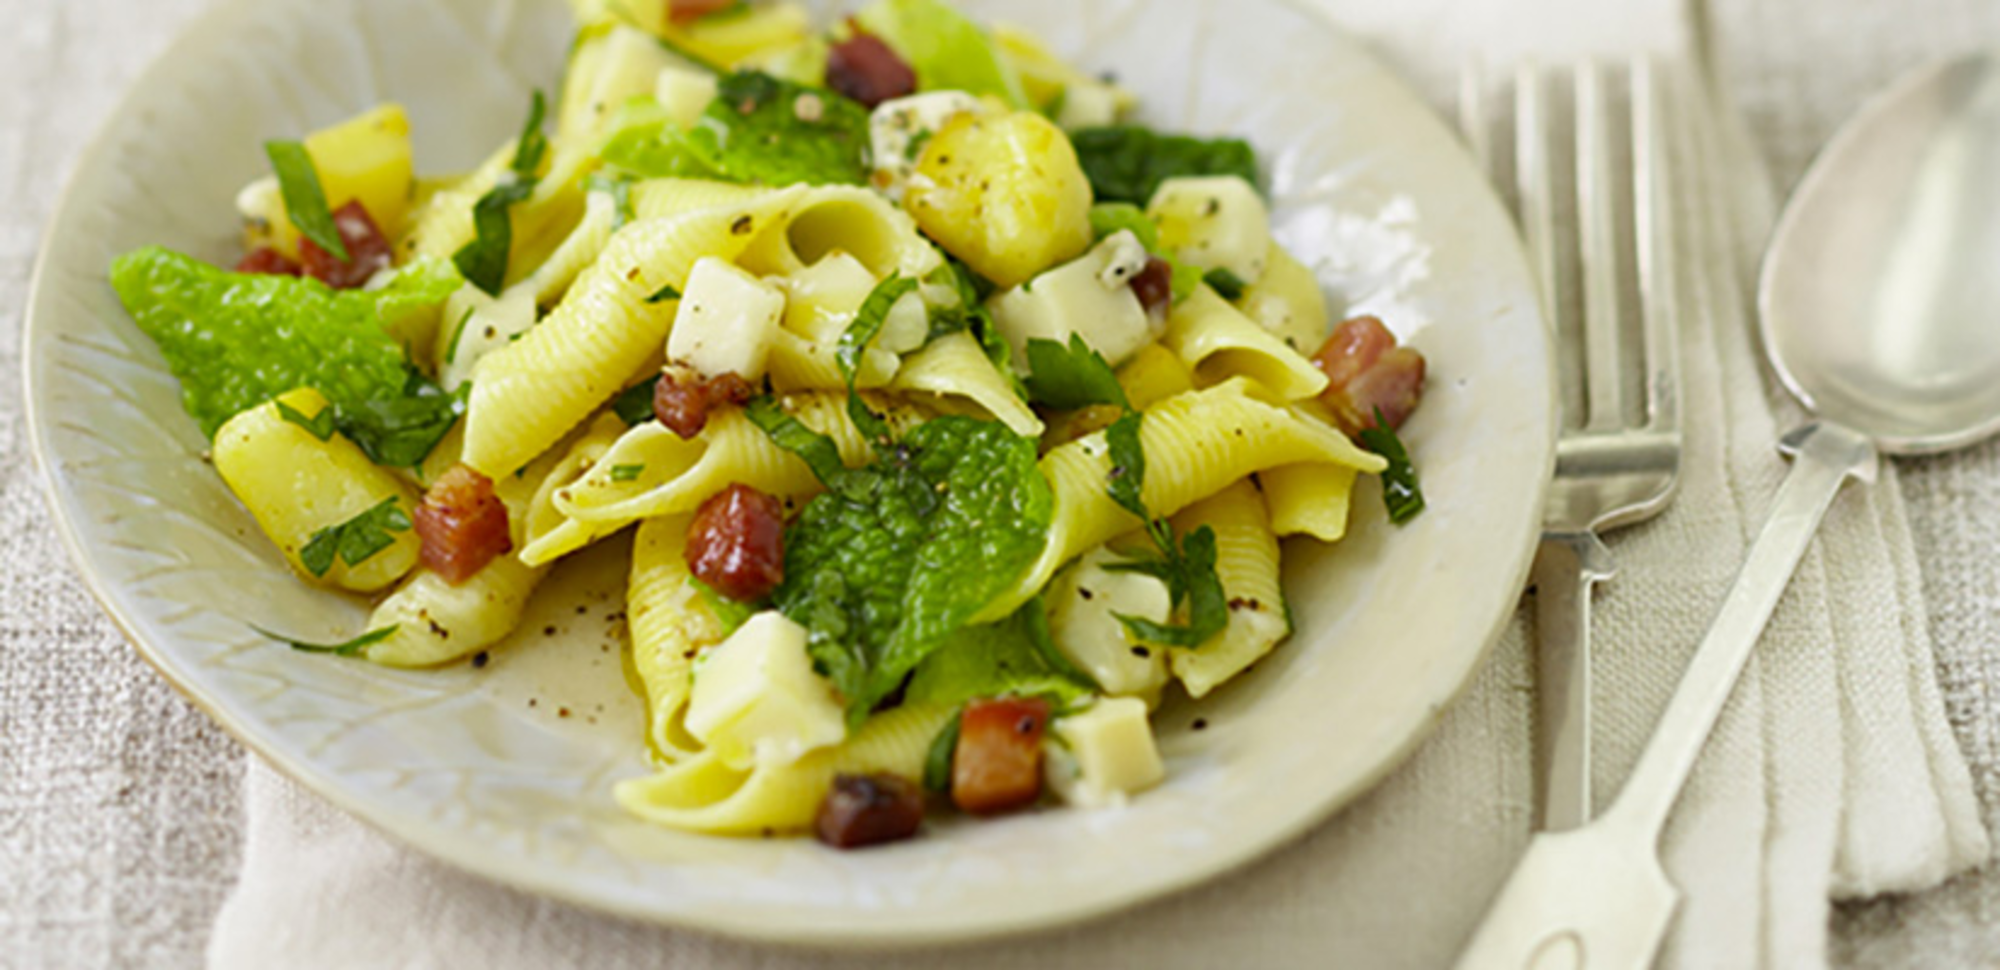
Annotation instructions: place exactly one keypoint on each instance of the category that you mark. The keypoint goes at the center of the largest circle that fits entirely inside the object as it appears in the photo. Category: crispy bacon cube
(997, 766)
(868, 70)
(269, 262)
(736, 543)
(462, 525)
(1366, 371)
(368, 251)
(683, 399)
(864, 810)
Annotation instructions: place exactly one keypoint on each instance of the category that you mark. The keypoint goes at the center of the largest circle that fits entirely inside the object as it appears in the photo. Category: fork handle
(1595, 897)
(1826, 455)
(1566, 567)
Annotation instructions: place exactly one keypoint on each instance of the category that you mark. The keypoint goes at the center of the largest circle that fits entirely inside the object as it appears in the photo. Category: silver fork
(1618, 459)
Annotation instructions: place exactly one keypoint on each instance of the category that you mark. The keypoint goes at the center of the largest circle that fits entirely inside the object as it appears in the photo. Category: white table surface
(125, 802)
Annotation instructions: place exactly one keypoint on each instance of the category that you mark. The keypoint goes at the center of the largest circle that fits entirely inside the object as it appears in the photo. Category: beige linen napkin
(1833, 771)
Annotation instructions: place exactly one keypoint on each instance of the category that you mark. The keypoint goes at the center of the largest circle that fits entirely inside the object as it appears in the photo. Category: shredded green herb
(351, 648)
(1127, 163)
(627, 473)
(634, 405)
(943, 752)
(1401, 492)
(305, 199)
(764, 130)
(319, 425)
(1108, 218)
(1226, 284)
(356, 539)
(665, 293)
(730, 613)
(483, 261)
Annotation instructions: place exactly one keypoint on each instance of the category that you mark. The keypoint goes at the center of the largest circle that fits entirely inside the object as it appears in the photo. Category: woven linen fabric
(120, 802)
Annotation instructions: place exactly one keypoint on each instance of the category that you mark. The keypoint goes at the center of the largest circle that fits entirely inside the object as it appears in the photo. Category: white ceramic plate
(507, 770)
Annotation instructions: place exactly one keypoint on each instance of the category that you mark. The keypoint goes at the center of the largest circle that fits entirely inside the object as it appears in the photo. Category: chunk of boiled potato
(1214, 222)
(367, 158)
(297, 486)
(1084, 605)
(726, 321)
(1090, 296)
(756, 699)
(1106, 754)
(1003, 192)
(899, 128)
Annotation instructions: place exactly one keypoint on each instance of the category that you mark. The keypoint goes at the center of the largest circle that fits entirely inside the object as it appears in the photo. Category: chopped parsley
(1186, 564)
(665, 293)
(1072, 376)
(627, 473)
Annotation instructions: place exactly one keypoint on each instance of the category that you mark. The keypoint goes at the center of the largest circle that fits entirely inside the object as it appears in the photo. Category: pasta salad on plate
(956, 418)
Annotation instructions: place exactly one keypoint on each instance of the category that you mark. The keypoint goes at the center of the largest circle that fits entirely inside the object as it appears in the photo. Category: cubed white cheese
(260, 203)
(1089, 104)
(898, 128)
(726, 321)
(824, 298)
(684, 92)
(906, 327)
(1214, 222)
(476, 325)
(1124, 257)
(756, 699)
(1084, 296)
(1084, 604)
(1104, 754)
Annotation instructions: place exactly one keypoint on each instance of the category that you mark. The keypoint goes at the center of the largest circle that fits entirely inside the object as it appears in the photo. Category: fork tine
(1533, 188)
(1652, 174)
(1597, 240)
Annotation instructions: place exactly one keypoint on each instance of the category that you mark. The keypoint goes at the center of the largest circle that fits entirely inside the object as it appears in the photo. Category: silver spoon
(1880, 306)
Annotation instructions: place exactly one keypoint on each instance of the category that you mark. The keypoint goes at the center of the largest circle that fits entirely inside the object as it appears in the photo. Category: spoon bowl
(1880, 298)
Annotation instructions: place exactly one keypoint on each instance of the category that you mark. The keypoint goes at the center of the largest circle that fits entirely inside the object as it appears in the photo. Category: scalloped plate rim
(446, 844)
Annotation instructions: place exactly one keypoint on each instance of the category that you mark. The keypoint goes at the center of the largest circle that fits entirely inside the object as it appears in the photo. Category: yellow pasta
(1218, 342)
(1246, 560)
(1196, 444)
(1288, 302)
(846, 219)
(703, 794)
(444, 225)
(526, 395)
(296, 486)
(954, 368)
(666, 197)
(1309, 499)
(438, 622)
(670, 626)
(663, 474)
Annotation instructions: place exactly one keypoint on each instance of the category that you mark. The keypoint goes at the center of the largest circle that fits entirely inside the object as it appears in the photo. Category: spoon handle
(1595, 898)
(1825, 455)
